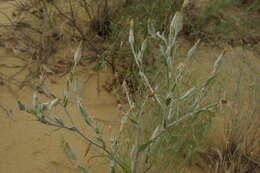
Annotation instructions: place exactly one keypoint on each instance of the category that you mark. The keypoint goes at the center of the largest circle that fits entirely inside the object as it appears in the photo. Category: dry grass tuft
(233, 144)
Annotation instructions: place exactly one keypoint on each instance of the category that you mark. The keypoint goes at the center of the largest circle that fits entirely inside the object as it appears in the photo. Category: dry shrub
(43, 33)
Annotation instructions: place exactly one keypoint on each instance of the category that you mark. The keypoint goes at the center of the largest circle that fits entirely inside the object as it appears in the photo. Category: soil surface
(27, 146)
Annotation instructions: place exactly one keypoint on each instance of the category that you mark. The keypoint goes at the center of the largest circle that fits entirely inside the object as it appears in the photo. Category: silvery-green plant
(163, 93)
(161, 96)
(39, 111)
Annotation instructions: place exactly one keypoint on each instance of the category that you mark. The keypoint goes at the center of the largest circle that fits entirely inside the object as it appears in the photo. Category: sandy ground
(26, 146)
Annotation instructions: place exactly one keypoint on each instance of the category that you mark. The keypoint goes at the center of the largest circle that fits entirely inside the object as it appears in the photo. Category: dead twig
(8, 112)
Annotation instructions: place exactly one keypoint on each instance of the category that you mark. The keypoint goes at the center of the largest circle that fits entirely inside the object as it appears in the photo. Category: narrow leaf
(66, 94)
(70, 153)
(155, 133)
(78, 53)
(193, 50)
(218, 62)
(210, 80)
(53, 104)
(131, 38)
(84, 113)
(188, 93)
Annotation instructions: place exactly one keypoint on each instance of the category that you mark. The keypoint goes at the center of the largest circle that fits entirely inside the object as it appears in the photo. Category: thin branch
(8, 112)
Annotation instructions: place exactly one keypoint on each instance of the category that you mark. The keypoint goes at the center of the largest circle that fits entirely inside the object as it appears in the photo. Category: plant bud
(177, 22)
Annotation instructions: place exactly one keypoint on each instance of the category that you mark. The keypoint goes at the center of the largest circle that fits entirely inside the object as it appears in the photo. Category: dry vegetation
(232, 145)
(43, 35)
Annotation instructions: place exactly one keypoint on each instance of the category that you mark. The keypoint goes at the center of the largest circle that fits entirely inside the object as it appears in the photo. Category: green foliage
(167, 116)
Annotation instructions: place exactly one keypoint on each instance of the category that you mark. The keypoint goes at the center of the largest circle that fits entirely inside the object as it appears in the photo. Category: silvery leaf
(83, 113)
(177, 22)
(193, 50)
(78, 53)
(53, 103)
